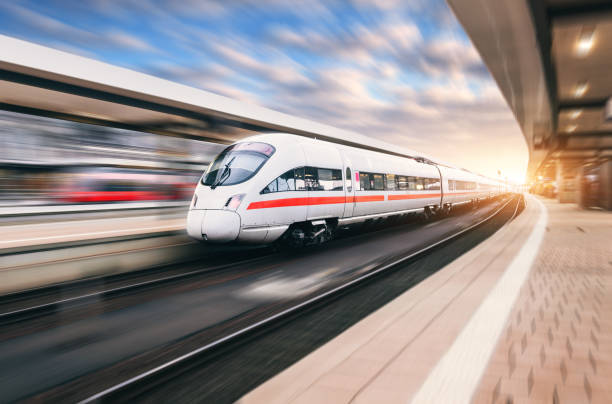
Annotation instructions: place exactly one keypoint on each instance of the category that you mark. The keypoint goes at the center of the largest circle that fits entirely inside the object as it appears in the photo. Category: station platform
(66, 229)
(526, 316)
(42, 250)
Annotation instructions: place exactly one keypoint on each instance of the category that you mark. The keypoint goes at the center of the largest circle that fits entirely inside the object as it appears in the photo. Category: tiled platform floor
(557, 345)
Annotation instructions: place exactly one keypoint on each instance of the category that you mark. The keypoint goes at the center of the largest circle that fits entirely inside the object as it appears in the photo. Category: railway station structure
(552, 60)
(523, 317)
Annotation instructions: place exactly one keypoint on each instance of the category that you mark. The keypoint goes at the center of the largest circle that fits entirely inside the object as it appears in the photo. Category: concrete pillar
(566, 181)
(582, 191)
(605, 185)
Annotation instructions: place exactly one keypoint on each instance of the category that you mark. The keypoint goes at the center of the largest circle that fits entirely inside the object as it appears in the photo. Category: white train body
(261, 188)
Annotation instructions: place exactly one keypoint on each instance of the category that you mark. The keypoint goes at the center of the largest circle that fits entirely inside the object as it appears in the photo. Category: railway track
(18, 307)
(26, 305)
(141, 383)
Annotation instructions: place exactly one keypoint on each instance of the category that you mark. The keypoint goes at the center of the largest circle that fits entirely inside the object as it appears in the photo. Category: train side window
(292, 180)
(378, 182)
(329, 179)
(391, 183)
(281, 183)
(432, 184)
(298, 174)
(420, 183)
(286, 182)
(402, 182)
(364, 181)
(348, 180)
(311, 179)
(337, 180)
(410, 183)
(272, 187)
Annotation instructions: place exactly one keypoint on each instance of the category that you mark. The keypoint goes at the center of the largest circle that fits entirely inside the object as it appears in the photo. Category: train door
(349, 190)
(323, 176)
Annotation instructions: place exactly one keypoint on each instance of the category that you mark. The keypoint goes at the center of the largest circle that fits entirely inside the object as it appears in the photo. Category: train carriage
(274, 186)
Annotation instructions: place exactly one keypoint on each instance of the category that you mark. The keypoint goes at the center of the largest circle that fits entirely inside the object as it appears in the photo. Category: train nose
(217, 226)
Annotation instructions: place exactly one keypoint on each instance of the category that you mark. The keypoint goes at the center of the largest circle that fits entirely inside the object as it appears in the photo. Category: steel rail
(47, 308)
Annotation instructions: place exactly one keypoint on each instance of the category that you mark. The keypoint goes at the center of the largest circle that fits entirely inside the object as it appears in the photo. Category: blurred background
(400, 71)
(47, 161)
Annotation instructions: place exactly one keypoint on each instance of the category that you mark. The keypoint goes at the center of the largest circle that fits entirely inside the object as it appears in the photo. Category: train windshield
(237, 163)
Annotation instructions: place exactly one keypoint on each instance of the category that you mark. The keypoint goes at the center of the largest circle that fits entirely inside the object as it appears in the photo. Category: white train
(279, 185)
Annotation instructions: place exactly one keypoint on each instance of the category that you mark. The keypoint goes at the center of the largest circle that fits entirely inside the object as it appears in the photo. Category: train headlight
(234, 202)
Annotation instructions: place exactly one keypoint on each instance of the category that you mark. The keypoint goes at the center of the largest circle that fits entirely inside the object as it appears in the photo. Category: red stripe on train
(412, 196)
(318, 200)
(366, 198)
(327, 200)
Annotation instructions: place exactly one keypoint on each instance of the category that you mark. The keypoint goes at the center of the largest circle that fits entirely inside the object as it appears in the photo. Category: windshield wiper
(224, 175)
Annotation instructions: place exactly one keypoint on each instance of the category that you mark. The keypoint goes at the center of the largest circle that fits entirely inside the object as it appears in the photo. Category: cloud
(452, 56)
(352, 43)
(127, 41)
(74, 37)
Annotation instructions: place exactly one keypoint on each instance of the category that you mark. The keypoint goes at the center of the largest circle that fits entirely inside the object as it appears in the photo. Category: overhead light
(585, 43)
(571, 128)
(581, 88)
(575, 113)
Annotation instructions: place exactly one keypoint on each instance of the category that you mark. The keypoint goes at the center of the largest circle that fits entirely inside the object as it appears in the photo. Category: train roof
(266, 137)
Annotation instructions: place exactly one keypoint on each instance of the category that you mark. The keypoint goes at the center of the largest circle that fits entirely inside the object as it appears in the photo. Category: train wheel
(305, 234)
(293, 238)
(428, 214)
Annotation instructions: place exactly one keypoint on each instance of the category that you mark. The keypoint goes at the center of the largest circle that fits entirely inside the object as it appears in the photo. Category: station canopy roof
(38, 80)
(552, 60)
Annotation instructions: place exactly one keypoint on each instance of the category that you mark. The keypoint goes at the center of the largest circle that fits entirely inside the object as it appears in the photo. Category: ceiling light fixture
(575, 113)
(581, 88)
(585, 42)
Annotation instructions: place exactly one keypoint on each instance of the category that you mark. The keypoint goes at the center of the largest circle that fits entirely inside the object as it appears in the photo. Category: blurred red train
(124, 185)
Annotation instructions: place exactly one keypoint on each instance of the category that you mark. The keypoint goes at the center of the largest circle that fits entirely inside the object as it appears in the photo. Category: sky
(402, 71)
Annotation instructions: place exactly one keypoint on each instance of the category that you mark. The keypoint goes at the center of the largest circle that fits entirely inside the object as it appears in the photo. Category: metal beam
(212, 119)
(587, 134)
(543, 31)
(101, 122)
(583, 103)
(580, 9)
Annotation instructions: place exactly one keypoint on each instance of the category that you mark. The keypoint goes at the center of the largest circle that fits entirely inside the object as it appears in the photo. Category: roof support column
(567, 172)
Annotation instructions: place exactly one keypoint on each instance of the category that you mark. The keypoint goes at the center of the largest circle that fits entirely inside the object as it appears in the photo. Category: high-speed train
(277, 186)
